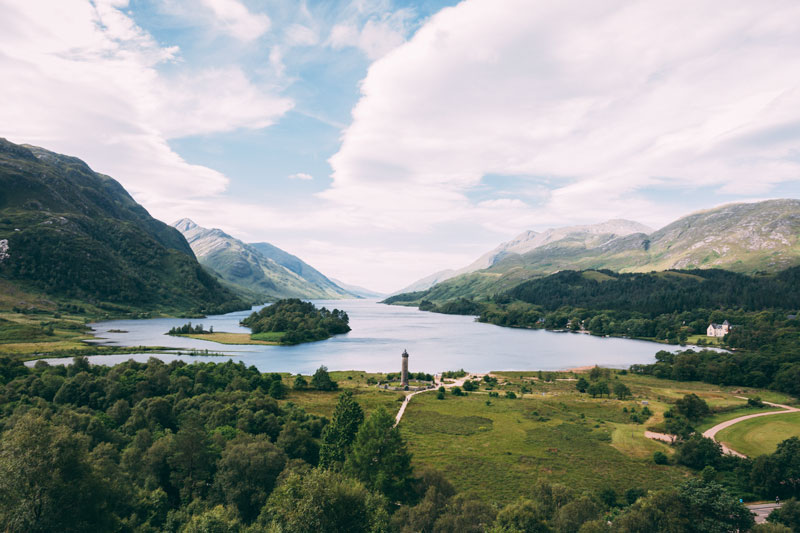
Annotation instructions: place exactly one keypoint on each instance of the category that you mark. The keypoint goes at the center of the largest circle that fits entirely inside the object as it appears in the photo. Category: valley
(139, 279)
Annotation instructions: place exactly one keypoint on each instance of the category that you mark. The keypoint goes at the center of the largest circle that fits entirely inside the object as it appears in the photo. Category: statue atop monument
(404, 371)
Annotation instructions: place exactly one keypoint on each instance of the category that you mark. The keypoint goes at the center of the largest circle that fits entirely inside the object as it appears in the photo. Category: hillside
(361, 292)
(662, 292)
(75, 234)
(745, 238)
(572, 239)
(260, 269)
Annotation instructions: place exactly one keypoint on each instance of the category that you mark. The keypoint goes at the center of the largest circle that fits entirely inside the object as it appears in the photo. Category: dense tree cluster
(459, 306)
(765, 477)
(181, 447)
(203, 447)
(671, 306)
(420, 376)
(658, 293)
(763, 368)
(299, 321)
(188, 329)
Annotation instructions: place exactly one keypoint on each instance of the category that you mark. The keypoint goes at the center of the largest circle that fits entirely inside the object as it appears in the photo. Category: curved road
(711, 432)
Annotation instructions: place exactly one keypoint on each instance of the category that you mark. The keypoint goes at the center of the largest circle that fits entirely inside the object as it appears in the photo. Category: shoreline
(222, 337)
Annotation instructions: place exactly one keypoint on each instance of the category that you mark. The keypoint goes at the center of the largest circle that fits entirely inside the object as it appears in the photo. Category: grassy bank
(758, 436)
(232, 338)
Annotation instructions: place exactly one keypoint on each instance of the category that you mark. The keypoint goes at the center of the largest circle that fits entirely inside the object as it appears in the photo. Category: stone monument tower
(404, 371)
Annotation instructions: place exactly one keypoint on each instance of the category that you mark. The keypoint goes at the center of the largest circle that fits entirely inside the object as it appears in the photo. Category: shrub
(755, 401)
(277, 390)
(660, 458)
(300, 383)
(321, 380)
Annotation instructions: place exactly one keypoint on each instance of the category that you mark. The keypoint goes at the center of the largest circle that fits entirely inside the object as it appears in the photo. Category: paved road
(762, 510)
(712, 432)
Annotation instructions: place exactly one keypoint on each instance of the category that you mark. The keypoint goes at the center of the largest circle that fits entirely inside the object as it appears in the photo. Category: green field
(707, 341)
(718, 418)
(368, 396)
(267, 336)
(222, 337)
(498, 451)
(758, 436)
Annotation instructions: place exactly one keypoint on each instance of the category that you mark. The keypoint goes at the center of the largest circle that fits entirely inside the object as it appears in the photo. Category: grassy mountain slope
(280, 276)
(761, 236)
(314, 277)
(551, 246)
(746, 238)
(74, 234)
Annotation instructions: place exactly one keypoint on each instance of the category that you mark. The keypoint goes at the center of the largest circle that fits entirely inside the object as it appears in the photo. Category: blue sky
(383, 140)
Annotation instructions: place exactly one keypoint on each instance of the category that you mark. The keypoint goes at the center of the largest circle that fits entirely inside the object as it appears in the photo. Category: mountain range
(743, 237)
(261, 270)
(73, 234)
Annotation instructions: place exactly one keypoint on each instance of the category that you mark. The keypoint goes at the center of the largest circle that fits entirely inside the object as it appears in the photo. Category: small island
(293, 321)
(220, 337)
(287, 322)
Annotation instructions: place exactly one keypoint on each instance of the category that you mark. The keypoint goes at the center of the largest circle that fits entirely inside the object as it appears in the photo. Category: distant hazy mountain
(75, 234)
(428, 281)
(361, 292)
(575, 237)
(260, 268)
(745, 237)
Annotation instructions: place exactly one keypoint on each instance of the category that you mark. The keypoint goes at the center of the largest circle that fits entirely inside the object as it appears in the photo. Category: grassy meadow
(221, 337)
(758, 436)
(496, 447)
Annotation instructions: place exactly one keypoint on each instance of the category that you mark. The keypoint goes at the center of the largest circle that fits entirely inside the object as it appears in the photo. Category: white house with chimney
(718, 330)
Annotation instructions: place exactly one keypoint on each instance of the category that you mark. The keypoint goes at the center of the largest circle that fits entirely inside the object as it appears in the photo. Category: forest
(657, 293)
(206, 447)
(299, 321)
(672, 307)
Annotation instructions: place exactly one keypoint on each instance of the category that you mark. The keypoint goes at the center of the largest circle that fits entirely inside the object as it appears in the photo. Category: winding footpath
(712, 432)
(437, 384)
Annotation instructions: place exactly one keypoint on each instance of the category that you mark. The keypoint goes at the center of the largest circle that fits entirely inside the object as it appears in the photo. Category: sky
(382, 140)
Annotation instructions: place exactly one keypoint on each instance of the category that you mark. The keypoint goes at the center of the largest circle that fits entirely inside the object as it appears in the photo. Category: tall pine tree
(338, 436)
(380, 458)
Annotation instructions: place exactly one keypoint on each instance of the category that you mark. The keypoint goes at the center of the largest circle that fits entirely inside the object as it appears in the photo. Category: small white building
(718, 330)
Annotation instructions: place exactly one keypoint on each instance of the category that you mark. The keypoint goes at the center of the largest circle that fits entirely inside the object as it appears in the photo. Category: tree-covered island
(293, 321)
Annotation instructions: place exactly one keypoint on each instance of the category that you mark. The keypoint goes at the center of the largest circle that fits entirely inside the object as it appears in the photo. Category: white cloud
(372, 27)
(86, 83)
(235, 19)
(301, 35)
(301, 176)
(604, 99)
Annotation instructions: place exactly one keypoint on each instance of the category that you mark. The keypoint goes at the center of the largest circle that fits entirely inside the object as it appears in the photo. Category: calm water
(380, 332)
